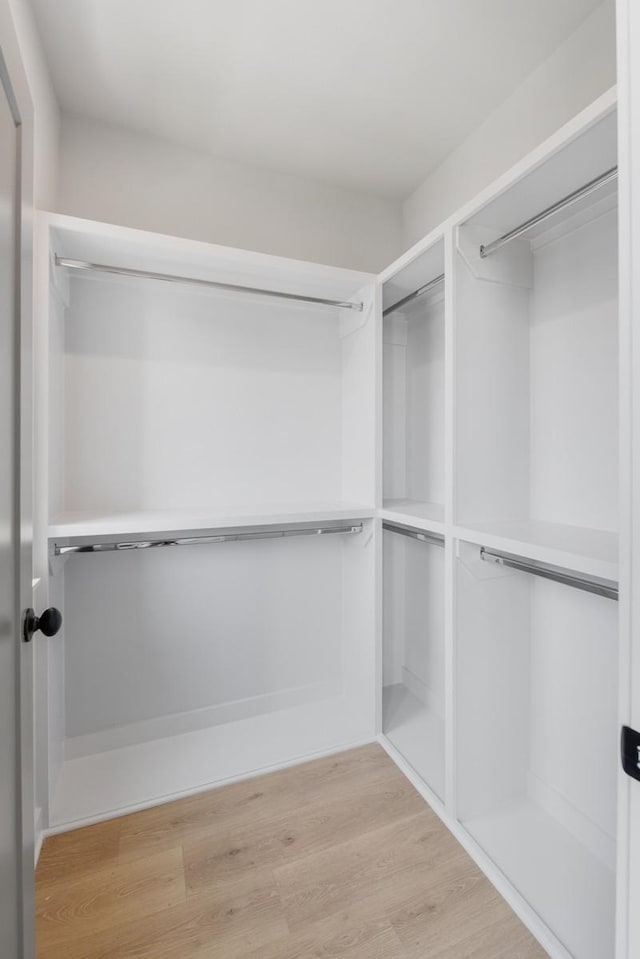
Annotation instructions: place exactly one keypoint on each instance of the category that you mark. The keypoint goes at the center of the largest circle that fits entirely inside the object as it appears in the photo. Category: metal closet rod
(434, 539)
(585, 190)
(194, 281)
(203, 540)
(601, 587)
(412, 296)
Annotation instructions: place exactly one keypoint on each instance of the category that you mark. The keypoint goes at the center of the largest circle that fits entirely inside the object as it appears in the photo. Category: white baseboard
(600, 843)
(176, 724)
(56, 830)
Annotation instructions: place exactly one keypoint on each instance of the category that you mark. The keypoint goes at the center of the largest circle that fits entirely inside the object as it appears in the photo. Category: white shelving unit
(179, 411)
(482, 413)
(536, 773)
(413, 655)
(413, 391)
(537, 359)
(77, 527)
(523, 398)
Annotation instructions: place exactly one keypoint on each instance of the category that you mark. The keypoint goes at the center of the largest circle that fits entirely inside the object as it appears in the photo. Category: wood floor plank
(232, 807)
(91, 904)
(216, 926)
(505, 938)
(81, 851)
(385, 864)
(293, 833)
(371, 939)
(335, 859)
(453, 905)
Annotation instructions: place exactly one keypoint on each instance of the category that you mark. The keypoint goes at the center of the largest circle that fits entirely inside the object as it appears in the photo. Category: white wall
(582, 68)
(117, 175)
(112, 174)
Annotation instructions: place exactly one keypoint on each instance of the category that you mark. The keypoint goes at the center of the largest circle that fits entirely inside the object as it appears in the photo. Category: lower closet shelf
(575, 898)
(117, 781)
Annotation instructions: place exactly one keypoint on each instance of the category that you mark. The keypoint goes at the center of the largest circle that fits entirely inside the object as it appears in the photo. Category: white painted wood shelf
(591, 552)
(428, 516)
(81, 526)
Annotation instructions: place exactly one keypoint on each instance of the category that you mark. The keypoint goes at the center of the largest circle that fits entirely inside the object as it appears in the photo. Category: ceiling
(365, 94)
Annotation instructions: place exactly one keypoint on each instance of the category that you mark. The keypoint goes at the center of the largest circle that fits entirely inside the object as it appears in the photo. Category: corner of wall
(46, 112)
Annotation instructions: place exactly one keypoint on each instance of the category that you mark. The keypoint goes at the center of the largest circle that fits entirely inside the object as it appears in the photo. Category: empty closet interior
(536, 395)
(537, 358)
(413, 388)
(536, 772)
(500, 689)
(289, 508)
(413, 653)
(209, 515)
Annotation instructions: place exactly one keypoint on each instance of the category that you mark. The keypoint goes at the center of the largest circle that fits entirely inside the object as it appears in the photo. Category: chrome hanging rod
(203, 540)
(601, 587)
(434, 539)
(412, 296)
(571, 198)
(213, 284)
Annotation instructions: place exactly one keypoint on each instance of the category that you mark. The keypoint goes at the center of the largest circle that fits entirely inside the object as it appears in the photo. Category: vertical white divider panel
(358, 339)
(358, 334)
(449, 551)
(378, 492)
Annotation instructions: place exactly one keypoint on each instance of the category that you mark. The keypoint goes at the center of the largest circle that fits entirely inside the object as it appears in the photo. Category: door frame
(14, 78)
(628, 879)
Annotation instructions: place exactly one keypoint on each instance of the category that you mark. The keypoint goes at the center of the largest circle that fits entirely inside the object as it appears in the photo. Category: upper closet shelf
(79, 528)
(428, 516)
(589, 551)
(83, 265)
(81, 245)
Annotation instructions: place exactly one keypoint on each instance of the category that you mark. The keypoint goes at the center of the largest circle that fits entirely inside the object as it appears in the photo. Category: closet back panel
(257, 624)
(574, 378)
(413, 654)
(177, 397)
(536, 377)
(414, 401)
(492, 630)
(414, 623)
(536, 773)
(545, 655)
(492, 410)
(573, 682)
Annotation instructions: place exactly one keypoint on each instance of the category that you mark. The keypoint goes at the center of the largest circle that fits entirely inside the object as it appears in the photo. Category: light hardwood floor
(336, 859)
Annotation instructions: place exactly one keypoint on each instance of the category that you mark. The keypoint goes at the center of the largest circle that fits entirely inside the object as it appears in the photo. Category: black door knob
(48, 624)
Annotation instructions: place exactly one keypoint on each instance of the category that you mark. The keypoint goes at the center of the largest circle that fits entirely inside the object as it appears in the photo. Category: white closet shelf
(74, 527)
(590, 551)
(413, 512)
(118, 781)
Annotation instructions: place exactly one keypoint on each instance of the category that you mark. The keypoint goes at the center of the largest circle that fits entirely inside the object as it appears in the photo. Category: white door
(628, 15)
(16, 705)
